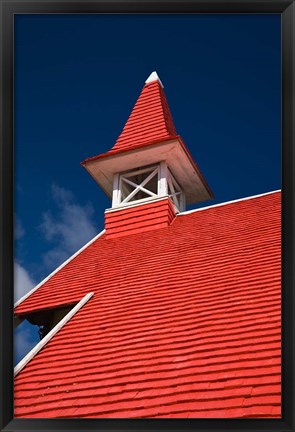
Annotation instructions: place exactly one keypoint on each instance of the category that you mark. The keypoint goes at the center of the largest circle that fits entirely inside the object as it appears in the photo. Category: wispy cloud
(68, 228)
(23, 282)
(25, 338)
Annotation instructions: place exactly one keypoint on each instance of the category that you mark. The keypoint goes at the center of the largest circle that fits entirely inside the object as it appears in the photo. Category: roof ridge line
(227, 202)
(24, 297)
(168, 119)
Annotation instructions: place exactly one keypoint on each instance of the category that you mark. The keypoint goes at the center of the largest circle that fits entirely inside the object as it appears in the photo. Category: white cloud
(23, 283)
(69, 229)
(25, 338)
(25, 335)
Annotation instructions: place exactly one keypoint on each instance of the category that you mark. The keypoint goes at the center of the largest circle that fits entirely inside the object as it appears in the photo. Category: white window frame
(50, 335)
(154, 171)
(165, 180)
(176, 194)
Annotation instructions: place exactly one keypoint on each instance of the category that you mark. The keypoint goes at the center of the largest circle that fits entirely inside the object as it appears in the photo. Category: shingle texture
(150, 121)
(184, 322)
(145, 217)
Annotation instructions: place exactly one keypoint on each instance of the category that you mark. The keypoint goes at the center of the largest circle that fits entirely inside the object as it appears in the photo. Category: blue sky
(77, 78)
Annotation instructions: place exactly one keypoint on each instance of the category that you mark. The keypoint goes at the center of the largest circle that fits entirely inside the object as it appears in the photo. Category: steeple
(150, 120)
(149, 162)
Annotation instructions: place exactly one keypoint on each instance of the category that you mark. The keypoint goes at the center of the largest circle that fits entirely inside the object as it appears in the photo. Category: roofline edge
(24, 297)
(227, 202)
(34, 351)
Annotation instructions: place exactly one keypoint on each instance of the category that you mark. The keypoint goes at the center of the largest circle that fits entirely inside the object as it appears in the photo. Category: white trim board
(136, 203)
(18, 302)
(50, 335)
(227, 202)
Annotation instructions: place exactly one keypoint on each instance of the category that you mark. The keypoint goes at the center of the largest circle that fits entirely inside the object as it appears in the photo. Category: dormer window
(145, 184)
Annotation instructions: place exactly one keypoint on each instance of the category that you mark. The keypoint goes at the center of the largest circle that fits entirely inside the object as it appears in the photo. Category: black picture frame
(11, 7)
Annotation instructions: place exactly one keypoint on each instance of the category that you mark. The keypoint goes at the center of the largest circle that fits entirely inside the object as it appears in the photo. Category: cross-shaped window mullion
(175, 183)
(140, 186)
(125, 192)
(135, 185)
(174, 193)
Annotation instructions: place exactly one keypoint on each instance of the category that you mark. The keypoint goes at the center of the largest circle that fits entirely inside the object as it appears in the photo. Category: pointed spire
(154, 77)
(150, 119)
(149, 137)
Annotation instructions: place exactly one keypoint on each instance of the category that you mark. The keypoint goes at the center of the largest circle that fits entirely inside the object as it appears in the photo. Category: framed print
(147, 182)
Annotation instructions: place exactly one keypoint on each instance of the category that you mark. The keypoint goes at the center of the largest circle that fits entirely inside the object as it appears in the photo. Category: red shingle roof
(149, 122)
(185, 321)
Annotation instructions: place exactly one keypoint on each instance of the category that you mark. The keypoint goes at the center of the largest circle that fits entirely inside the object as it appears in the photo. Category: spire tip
(154, 77)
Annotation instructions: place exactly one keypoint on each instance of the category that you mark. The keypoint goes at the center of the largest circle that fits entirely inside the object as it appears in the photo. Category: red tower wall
(139, 218)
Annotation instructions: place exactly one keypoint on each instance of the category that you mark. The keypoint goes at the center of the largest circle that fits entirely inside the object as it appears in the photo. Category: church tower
(142, 322)
(149, 173)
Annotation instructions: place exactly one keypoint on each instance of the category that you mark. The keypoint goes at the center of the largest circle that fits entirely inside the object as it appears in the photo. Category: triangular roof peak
(154, 77)
(149, 122)
(150, 119)
(149, 137)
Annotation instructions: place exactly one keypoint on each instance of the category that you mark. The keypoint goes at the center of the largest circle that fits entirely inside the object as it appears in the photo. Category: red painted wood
(144, 217)
(149, 122)
(185, 321)
(150, 119)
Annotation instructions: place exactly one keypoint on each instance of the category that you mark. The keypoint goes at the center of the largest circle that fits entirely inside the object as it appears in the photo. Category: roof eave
(173, 150)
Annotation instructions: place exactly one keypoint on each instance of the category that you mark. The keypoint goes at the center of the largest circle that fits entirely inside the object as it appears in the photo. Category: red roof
(185, 321)
(149, 122)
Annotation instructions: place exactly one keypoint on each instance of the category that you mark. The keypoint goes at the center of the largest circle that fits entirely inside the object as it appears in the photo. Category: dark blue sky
(77, 78)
